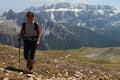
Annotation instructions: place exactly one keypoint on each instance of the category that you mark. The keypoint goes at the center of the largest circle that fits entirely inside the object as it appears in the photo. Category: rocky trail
(56, 65)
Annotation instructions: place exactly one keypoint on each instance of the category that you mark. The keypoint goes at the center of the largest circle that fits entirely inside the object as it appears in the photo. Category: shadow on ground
(11, 68)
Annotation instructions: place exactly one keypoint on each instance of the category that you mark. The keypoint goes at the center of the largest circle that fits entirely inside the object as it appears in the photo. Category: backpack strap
(36, 25)
(23, 24)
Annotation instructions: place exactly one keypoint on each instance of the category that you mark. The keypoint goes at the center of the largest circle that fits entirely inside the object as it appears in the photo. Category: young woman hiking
(30, 33)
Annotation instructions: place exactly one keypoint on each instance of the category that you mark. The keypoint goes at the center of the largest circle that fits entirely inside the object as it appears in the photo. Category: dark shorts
(29, 50)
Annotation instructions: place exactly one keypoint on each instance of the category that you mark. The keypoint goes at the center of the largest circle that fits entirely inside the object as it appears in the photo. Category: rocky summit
(74, 64)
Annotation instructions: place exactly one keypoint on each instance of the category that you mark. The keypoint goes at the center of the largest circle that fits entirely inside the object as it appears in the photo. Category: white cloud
(32, 0)
(78, 1)
(95, 2)
(70, 1)
(47, 1)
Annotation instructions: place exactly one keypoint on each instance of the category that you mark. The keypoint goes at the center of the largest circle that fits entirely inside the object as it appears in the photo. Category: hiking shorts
(29, 49)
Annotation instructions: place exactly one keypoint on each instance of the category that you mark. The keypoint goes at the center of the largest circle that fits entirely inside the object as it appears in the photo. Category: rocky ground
(56, 65)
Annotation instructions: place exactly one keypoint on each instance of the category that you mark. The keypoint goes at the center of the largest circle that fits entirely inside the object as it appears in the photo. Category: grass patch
(100, 61)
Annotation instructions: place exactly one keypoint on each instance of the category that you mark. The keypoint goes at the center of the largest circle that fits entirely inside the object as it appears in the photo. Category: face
(30, 17)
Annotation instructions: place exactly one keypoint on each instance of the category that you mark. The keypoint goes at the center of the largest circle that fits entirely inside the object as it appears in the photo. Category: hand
(38, 43)
(18, 39)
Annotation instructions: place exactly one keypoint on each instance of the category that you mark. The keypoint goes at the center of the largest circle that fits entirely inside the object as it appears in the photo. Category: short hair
(29, 12)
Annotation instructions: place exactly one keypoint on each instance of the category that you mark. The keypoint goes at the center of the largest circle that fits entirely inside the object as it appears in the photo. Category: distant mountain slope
(66, 26)
(72, 37)
(105, 53)
(8, 31)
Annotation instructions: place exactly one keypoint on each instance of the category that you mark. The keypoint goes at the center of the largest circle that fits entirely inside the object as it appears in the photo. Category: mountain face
(8, 31)
(66, 26)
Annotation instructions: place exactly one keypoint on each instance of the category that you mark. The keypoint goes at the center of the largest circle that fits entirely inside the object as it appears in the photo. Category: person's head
(30, 16)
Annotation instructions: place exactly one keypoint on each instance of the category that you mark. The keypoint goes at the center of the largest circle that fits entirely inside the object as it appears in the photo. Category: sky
(20, 5)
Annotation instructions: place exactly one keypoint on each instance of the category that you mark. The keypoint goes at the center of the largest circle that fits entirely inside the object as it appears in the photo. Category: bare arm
(39, 34)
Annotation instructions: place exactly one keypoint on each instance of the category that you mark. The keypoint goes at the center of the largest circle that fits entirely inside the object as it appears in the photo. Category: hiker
(30, 33)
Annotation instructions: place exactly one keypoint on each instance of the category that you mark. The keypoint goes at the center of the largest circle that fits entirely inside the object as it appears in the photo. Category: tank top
(30, 30)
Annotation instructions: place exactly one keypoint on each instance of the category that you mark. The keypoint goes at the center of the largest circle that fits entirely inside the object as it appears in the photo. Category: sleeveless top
(30, 30)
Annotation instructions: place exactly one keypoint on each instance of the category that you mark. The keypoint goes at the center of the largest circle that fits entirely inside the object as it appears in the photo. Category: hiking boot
(31, 70)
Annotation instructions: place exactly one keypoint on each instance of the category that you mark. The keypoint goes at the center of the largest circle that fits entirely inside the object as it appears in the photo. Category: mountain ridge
(64, 25)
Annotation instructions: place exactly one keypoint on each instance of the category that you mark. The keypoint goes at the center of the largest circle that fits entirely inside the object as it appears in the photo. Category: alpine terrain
(71, 26)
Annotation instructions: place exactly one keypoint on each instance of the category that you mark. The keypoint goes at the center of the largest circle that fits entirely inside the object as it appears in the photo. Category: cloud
(95, 2)
(57, 1)
(47, 1)
(78, 1)
(31, 0)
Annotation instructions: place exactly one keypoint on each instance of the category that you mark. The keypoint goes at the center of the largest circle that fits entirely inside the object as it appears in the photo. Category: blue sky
(19, 5)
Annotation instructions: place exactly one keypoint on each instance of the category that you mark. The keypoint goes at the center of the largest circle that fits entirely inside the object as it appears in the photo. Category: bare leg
(31, 66)
(28, 64)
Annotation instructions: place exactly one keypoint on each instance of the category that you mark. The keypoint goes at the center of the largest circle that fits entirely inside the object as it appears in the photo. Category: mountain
(8, 31)
(66, 26)
(68, 37)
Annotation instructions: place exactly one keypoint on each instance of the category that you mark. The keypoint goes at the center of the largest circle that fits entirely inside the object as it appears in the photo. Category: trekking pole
(19, 53)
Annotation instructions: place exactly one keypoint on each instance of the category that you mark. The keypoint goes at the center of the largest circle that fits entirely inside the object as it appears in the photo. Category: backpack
(34, 38)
